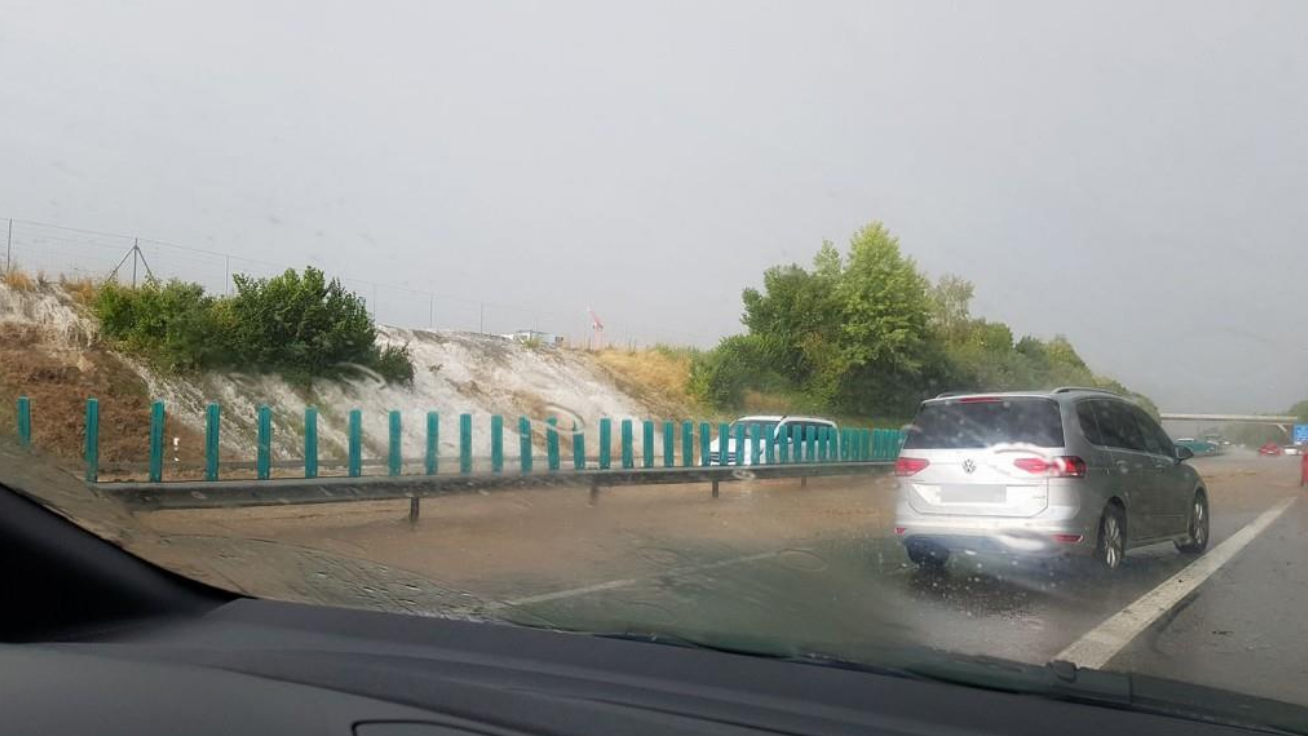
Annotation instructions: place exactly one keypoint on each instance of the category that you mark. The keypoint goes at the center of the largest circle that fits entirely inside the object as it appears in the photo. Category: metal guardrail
(297, 491)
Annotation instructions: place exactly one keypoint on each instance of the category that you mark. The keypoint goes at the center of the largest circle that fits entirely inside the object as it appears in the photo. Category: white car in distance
(771, 427)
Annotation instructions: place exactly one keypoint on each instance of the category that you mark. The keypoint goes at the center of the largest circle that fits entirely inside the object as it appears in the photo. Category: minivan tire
(927, 556)
(1110, 550)
(1197, 540)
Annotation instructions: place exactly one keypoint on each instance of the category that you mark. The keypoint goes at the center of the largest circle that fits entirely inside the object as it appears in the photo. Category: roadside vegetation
(300, 326)
(865, 333)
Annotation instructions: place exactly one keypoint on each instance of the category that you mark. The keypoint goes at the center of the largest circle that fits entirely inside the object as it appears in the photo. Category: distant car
(1075, 472)
(770, 427)
(1271, 449)
(1292, 450)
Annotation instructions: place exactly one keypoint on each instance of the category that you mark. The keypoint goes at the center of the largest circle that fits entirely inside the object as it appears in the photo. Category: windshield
(469, 310)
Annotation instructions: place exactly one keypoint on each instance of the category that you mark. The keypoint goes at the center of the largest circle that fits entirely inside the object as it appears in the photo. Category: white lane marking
(620, 583)
(1103, 642)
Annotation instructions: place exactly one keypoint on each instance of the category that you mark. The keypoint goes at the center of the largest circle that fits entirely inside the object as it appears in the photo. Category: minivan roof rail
(1068, 389)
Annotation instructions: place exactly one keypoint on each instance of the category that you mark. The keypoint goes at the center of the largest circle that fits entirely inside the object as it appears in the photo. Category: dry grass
(18, 280)
(657, 378)
(82, 289)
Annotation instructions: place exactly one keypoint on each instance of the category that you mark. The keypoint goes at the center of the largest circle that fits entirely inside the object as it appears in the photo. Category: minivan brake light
(1067, 466)
(905, 466)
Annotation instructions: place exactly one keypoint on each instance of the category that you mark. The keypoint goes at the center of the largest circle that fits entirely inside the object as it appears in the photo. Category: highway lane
(819, 567)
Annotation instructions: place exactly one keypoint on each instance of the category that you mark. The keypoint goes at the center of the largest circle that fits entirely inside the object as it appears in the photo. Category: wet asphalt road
(818, 568)
(1245, 628)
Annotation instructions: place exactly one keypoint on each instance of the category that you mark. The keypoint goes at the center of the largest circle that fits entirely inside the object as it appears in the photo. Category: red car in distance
(1271, 449)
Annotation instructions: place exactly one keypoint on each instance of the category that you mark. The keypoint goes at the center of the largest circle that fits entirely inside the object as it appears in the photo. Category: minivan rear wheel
(1111, 549)
(1197, 540)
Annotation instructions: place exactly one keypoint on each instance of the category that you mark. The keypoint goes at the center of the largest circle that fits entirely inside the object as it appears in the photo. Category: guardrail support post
(415, 507)
(92, 454)
(310, 442)
(647, 445)
(395, 460)
(24, 421)
(628, 460)
(605, 443)
(433, 443)
(524, 443)
(552, 444)
(497, 443)
(594, 494)
(212, 443)
(578, 447)
(715, 489)
(156, 441)
(465, 443)
(264, 442)
(356, 443)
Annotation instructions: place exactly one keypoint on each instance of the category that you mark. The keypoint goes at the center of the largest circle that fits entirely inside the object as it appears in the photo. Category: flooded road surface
(816, 565)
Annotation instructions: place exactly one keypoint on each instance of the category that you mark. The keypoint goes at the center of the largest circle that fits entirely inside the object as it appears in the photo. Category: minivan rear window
(983, 422)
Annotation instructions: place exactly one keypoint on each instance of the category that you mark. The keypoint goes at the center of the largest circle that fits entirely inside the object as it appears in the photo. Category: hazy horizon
(1129, 175)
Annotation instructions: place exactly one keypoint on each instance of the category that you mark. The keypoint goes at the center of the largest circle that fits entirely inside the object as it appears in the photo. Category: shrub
(301, 326)
(18, 280)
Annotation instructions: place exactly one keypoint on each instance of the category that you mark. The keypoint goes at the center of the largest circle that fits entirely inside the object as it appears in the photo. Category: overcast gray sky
(1131, 174)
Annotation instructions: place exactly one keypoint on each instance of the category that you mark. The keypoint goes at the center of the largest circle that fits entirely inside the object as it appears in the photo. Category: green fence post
(395, 459)
(740, 444)
(497, 443)
(783, 445)
(356, 443)
(92, 440)
(156, 441)
(465, 443)
(755, 443)
(578, 447)
(724, 441)
(310, 442)
(810, 445)
(24, 421)
(212, 445)
(628, 459)
(552, 444)
(433, 442)
(524, 444)
(606, 443)
(264, 441)
(705, 443)
(669, 445)
(687, 444)
(647, 444)
(796, 444)
(770, 445)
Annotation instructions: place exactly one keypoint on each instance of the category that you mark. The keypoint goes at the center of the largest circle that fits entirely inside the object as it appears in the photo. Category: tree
(951, 299)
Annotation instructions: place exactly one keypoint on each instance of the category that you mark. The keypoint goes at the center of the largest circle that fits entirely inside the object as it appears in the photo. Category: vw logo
(969, 466)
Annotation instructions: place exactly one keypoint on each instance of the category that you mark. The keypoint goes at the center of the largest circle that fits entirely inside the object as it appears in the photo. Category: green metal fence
(746, 444)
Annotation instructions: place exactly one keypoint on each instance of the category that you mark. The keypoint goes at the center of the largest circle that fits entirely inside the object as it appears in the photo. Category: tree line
(866, 333)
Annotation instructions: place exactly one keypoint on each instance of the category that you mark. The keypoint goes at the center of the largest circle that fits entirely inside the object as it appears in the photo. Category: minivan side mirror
(1183, 453)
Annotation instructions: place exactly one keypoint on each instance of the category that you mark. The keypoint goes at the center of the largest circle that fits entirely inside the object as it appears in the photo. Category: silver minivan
(1071, 471)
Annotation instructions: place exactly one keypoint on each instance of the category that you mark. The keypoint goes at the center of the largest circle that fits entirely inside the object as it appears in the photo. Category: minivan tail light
(1067, 466)
(910, 465)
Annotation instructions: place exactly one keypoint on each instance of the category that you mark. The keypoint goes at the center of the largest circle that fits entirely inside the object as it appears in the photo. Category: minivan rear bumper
(1035, 537)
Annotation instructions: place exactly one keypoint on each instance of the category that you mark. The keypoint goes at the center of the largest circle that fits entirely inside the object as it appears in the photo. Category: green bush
(301, 326)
